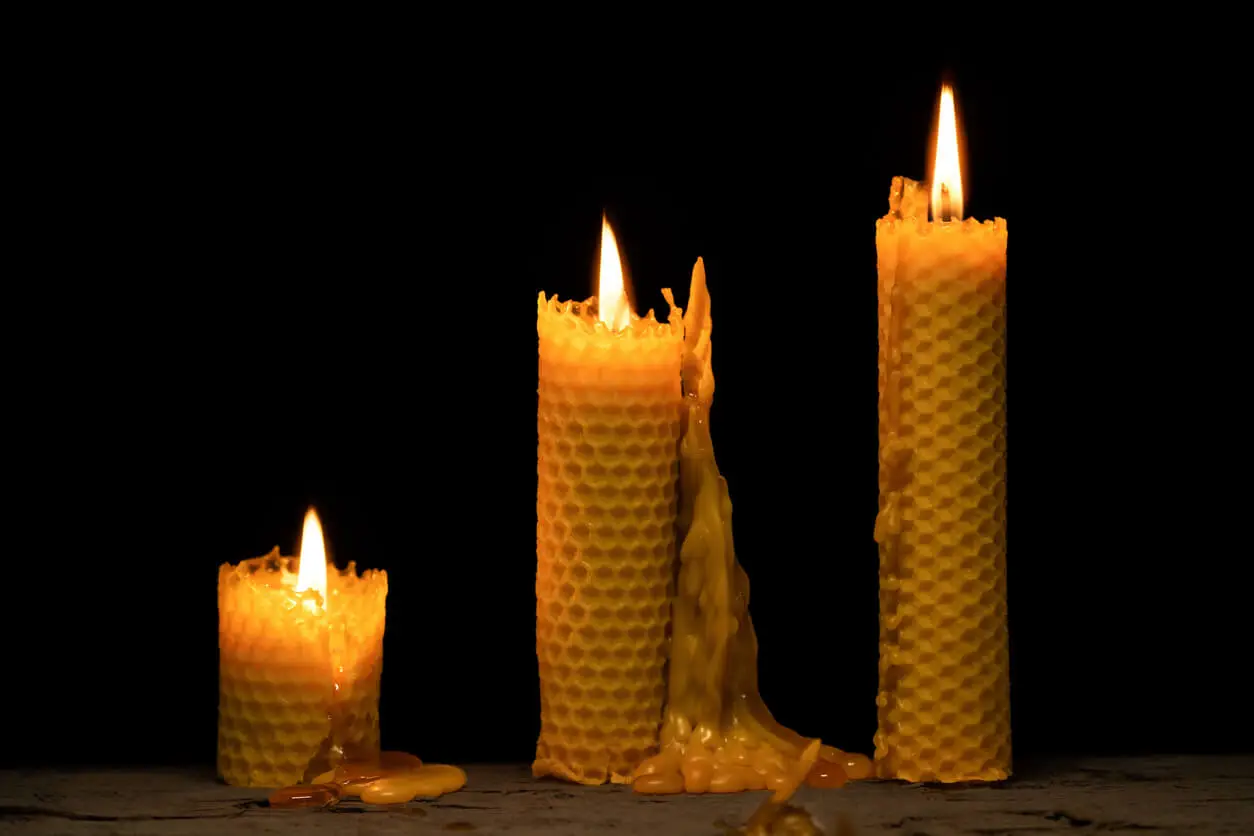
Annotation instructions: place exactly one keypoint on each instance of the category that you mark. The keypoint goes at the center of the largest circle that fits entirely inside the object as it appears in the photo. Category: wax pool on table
(944, 701)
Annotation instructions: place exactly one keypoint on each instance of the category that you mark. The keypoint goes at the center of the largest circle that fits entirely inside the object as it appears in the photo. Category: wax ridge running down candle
(717, 734)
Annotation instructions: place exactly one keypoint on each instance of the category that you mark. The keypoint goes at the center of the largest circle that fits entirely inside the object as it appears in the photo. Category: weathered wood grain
(1190, 796)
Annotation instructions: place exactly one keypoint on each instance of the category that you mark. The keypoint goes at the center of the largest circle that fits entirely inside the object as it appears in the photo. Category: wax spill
(352, 773)
(424, 782)
(388, 791)
(857, 767)
(662, 783)
(399, 760)
(305, 797)
(717, 734)
(824, 775)
(389, 778)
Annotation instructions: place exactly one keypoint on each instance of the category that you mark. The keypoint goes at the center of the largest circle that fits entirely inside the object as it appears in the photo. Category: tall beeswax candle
(300, 655)
(608, 422)
(944, 700)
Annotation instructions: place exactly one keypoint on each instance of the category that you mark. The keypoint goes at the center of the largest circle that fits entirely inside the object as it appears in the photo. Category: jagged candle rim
(909, 202)
(582, 316)
(277, 562)
(967, 226)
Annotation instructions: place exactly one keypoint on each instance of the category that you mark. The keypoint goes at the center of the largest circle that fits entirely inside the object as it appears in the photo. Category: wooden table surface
(1185, 795)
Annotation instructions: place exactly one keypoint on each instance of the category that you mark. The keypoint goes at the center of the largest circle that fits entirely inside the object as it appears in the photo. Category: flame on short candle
(615, 310)
(313, 557)
(946, 170)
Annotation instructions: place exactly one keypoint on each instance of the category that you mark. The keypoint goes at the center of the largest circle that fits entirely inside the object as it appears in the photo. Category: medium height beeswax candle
(944, 700)
(608, 423)
(300, 656)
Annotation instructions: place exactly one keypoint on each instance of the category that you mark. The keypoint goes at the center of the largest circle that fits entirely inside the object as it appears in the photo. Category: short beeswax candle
(944, 700)
(609, 412)
(300, 656)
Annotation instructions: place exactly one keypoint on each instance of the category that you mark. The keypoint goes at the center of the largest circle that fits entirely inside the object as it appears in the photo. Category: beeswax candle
(300, 656)
(605, 532)
(718, 735)
(944, 700)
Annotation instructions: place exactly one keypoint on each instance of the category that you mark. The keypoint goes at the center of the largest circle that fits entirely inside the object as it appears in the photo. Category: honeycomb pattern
(297, 689)
(944, 701)
(608, 425)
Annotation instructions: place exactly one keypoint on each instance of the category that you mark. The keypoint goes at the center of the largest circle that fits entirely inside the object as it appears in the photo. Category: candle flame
(615, 310)
(313, 557)
(946, 170)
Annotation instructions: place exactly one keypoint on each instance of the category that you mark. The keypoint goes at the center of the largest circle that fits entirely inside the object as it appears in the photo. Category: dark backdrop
(266, 294)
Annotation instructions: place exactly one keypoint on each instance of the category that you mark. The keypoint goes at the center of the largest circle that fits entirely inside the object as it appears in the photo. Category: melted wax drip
(717, 733)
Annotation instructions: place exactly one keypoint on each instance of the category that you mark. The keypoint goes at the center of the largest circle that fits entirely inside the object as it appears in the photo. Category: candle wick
(946, 213)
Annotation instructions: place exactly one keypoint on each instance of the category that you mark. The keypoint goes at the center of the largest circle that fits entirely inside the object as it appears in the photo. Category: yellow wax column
(298, 678)
(608, 422)
(717, 734)
(944, 700)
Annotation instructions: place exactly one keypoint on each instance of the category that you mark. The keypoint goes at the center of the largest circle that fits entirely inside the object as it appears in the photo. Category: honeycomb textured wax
(944, 699)
(717, 734)
(298, 682)
(608, 427)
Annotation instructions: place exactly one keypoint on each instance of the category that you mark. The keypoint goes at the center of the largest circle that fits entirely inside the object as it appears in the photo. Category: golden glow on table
(944, 700)
(608, 425)
(717, 734)
(298, 671)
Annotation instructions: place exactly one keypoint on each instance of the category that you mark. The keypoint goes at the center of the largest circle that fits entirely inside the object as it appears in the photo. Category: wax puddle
(392, 779)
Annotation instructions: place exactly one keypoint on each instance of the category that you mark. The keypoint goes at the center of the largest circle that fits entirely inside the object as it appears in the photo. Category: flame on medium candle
(313, 557)
(614, 308)
(946, 167)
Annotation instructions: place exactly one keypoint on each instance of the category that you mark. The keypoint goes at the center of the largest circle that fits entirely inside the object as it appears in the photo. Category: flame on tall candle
(946, 168)
(615, 310)
(313, 557)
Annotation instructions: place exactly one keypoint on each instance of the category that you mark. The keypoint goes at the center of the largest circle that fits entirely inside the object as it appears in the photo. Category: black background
(267, 288)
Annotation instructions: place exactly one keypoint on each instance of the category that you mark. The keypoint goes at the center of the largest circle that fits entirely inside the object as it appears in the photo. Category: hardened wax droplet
(826, 775)
(310, 796)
